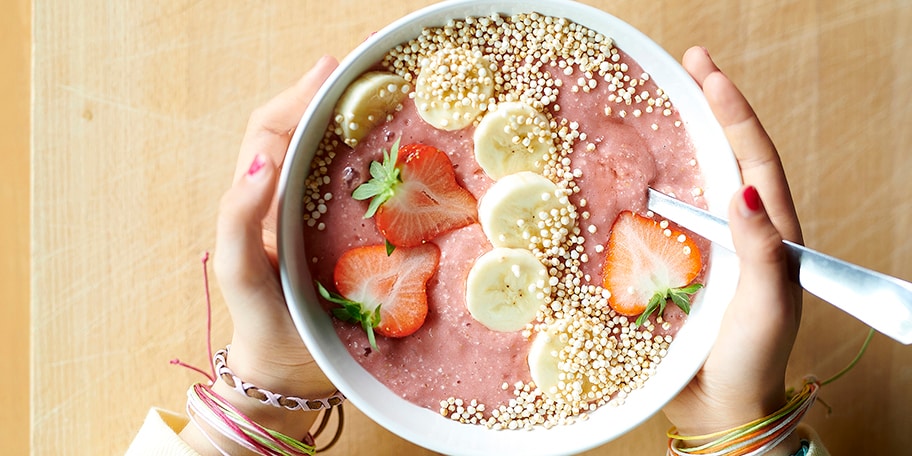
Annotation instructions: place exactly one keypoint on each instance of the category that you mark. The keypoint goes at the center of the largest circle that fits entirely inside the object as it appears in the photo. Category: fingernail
(752, 203)
(258, 162)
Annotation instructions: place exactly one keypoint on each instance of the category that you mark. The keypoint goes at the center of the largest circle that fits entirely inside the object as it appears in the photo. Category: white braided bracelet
(268, 397)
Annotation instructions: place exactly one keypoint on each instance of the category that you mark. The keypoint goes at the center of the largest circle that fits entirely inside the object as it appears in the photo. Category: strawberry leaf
(656, 303)
(389, 248)
(691, 289)
(679, 296)
(369, 324)
(384, 179)
(353, 312)
(681, 300)
(332, 297)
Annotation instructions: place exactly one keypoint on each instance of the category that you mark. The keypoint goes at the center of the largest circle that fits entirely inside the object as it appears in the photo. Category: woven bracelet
(268, 397)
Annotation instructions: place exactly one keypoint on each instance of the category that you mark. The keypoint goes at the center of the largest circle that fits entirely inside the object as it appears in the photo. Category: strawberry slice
(647, 264)
(414, 195)
(383, 292)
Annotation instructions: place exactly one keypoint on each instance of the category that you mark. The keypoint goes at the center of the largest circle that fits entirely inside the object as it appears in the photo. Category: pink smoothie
(619, 153)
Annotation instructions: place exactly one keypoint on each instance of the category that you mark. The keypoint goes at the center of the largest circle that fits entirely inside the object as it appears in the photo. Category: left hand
(266, 349)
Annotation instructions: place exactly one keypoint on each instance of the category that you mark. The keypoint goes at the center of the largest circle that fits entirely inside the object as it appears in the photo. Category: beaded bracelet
(207, 406)
(268, 397)
(756, 437)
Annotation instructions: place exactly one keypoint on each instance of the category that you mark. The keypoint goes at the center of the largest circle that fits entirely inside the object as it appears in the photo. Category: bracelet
(205, 405)
(754, 438)
(268, 397)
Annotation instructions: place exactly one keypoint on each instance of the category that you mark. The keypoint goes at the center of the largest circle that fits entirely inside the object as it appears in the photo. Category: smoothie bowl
(463, 237)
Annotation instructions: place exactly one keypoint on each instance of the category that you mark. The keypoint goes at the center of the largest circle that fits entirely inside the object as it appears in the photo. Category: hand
(744, 375)
(266, 349)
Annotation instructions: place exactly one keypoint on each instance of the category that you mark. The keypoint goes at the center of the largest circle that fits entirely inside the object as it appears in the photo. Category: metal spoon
(880, 301)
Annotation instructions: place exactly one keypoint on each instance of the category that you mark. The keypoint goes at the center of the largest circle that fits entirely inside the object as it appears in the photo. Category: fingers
(266, 348)
(241, 264)
(697, 63)
(270, 127)
(269, 131)
(756, 154)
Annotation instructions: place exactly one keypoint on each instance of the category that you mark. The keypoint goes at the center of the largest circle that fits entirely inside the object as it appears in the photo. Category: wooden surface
(15, 43)
(139, 108)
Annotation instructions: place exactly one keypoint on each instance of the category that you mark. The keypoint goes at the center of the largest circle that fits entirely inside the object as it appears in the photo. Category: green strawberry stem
(679, 296)
(353, 312)
(382, 186)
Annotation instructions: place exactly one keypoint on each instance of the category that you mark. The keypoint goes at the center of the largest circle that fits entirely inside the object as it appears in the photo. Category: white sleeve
(158, 436)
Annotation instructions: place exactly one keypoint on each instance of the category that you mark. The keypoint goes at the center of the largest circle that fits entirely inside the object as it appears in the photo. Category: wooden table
(139, 108)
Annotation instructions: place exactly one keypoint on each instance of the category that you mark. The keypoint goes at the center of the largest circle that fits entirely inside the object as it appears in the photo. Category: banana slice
(514, 137)
(453, 87)
(554, 363)
(526, 210)
(506, 288)
(545, 356)
(367, 102)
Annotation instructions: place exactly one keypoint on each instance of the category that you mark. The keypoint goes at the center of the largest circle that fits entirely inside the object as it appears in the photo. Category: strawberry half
(414, 195)
(647, 264)
(383, 292)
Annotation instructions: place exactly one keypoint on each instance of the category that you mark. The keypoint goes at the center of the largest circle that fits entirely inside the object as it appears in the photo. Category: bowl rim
(428, 428)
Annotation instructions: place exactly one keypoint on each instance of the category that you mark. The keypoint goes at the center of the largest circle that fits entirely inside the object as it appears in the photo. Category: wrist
(772, 434)
(255, 408)
(293, 423)
(726, 408)
(294, 373)
(284, 410)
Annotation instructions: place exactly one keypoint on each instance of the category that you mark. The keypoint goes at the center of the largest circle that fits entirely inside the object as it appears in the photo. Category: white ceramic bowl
(426, 427)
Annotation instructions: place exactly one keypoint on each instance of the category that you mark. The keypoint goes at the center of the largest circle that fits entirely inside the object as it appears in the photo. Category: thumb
(241, 263)
(757, 242)
(764, 299)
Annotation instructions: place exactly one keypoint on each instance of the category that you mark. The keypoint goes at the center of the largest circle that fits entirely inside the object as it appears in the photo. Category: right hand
(744, 376)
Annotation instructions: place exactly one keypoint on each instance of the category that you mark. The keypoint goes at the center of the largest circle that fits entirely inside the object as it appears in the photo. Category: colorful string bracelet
(204, 405)
(759, 436)
(754, 438)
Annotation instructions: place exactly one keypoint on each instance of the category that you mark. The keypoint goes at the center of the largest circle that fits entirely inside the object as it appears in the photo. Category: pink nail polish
(751, 198)
(258, 162)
